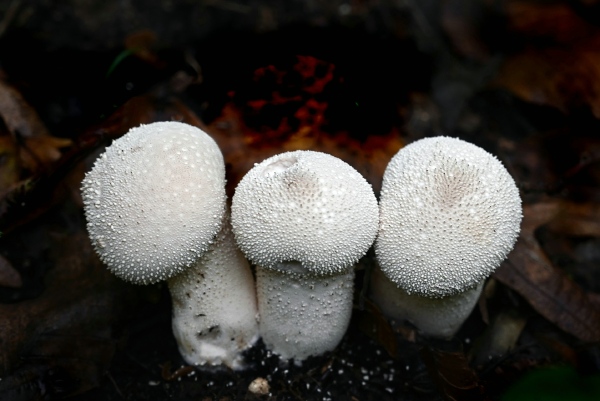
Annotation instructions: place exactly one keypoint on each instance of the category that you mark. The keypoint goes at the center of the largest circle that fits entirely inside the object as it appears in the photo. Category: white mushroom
(154, 201)
(304, 218)
(449, 215)
(214, 308)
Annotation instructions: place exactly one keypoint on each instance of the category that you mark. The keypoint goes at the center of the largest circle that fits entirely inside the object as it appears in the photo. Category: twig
(117, 389)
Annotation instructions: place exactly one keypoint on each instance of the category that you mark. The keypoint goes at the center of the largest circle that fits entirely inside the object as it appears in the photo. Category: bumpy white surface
(433, 317)
(154, 200)
(303, 315)
(449, 215)
(304, 206)
(214, 306)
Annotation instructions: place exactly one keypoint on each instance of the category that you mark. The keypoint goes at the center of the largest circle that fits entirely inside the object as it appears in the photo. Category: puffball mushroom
(154, 201)
(449, 215)
(214, 308)
(304, 219)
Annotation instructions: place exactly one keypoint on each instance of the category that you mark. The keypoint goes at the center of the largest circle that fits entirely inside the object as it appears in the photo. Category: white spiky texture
(449, 215)
(302, 315)
(307, 207)
(304, 218)
(214, 306)
(154, 200)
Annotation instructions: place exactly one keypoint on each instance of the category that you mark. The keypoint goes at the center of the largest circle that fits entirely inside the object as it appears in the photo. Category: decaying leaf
(10, 168)
(577, 219)
(548, 289)
(36, 146)
(564, 74)
(372, 322)
(452, 374)
(9, 277)
(66, 331)
(17, 115)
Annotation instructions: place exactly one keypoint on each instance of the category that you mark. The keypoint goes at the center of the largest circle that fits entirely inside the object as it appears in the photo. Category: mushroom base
(433, 317)
(303, 315)
(214, 306)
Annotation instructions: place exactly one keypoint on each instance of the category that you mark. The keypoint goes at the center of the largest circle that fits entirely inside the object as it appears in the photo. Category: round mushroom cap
(449, 215)
(154, 200)
(304, 211)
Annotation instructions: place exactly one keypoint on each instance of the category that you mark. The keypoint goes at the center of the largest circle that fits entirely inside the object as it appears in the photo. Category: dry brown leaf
(564, 78)
(17, 115)
(566, 74)
(67, 328)
(140, 43)
(372, 322)
(9, 277)
(10, 169)
(577, 219)
(452, 374)
(548, 289)
(39, 151)
(551, 20)
(37, 148)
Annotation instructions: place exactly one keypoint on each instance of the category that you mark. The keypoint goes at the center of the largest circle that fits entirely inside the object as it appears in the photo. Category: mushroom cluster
(304, 219)
(449, 215)
(154, 202)
(156, 210)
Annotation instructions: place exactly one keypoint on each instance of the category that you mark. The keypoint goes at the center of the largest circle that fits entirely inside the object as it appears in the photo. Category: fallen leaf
(548, 290)
(452, 374)
(554, 21)
(9, 276)
(564, 72)
(37, 148)
(577, 219)
(17, 115)
(61, 342)
(10, 169)
(372, 322)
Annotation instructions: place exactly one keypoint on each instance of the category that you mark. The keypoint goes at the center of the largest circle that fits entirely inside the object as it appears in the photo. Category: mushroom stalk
(214, 306)
(434, 317)
(303, 314)
(304, 218)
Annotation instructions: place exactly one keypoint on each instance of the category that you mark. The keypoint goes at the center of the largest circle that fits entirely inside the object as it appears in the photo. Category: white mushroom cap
(304, 208)
(154, 200)
(449, 215)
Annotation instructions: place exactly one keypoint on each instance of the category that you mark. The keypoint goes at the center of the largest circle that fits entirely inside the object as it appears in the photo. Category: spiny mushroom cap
(449, 215)
(304, 210)
(154, 200)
